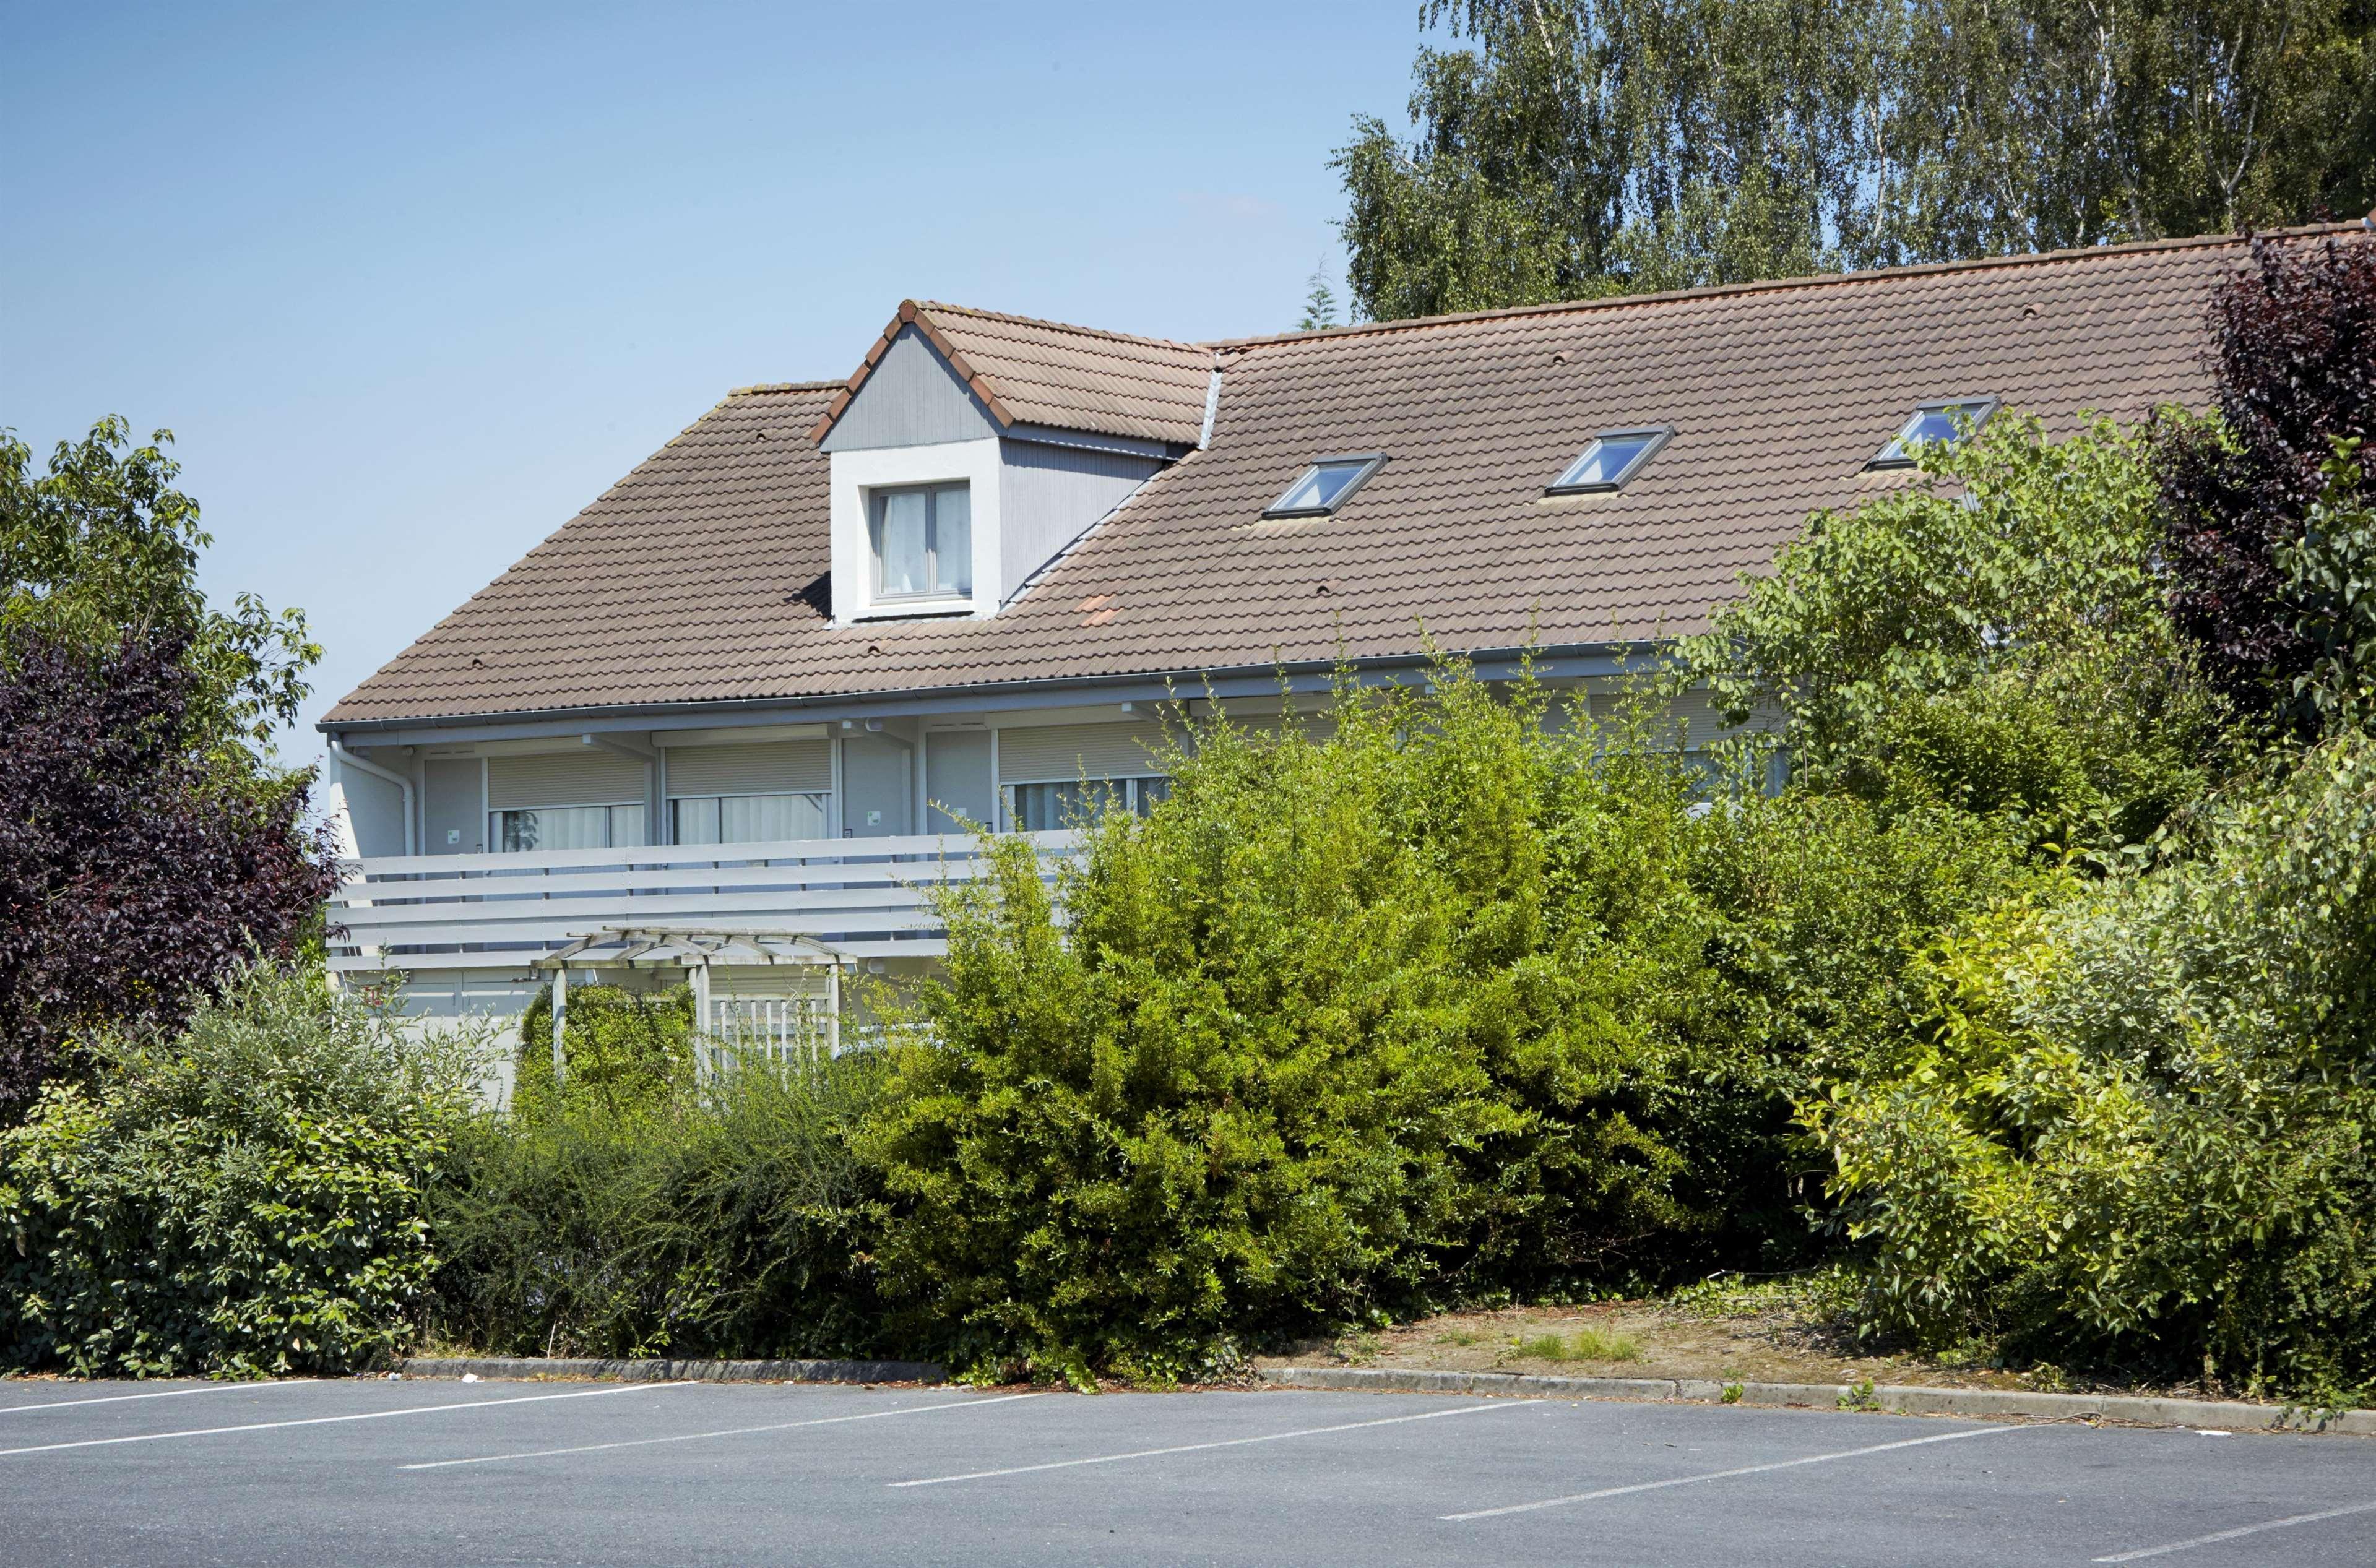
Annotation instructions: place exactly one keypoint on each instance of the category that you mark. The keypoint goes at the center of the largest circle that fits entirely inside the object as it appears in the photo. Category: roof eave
(1550, 653)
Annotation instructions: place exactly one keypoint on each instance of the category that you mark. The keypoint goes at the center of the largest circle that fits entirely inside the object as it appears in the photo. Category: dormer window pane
(900, 543)
(1325, 486)
(1932, 421)
(953, 538)
(923, 542)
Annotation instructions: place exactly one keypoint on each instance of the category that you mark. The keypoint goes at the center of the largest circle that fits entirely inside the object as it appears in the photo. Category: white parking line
(328, 1421)
(2230, 1535)
(1719, 1474)
(160, 1393)
(1194, 1448)
(727, 1431)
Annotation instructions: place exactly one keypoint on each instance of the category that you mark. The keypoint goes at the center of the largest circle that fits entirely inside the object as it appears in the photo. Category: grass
(1587, 1345)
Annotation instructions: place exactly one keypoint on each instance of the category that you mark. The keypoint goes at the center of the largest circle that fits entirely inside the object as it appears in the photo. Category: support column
(833, 1010)
(560, 1017)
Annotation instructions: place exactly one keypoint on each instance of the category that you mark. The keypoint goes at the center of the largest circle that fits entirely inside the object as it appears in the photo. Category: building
(761, 689)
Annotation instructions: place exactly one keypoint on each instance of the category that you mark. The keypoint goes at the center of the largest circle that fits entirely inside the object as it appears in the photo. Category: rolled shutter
(1695, 710)
(769, 767)
(1317, 728)
(588, 777)
(1056, 753)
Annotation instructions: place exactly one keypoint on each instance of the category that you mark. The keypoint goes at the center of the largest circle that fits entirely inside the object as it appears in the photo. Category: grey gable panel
(1049, 496)
(912, 398)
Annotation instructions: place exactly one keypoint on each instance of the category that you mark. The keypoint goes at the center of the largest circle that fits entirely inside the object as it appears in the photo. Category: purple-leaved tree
(2294, 358)
(133, 870)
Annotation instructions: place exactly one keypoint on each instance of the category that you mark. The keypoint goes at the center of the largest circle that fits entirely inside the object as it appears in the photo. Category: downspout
(348, 759)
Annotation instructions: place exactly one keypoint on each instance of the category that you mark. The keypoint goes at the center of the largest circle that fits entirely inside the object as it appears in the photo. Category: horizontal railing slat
(929, 845)
(605, 910)
(557, 932)
(524, 963)
(447, 888)
(530, 904)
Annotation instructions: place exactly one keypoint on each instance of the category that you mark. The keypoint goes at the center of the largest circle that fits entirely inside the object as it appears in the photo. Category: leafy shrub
(1994, 642)
(1445, 1000)
(2330, 575)
(620, 1049)
(728, 1219)
(245, 1197)
(2140, 1133)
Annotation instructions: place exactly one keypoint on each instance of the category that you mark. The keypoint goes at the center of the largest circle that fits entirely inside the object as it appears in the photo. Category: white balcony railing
(868, 897)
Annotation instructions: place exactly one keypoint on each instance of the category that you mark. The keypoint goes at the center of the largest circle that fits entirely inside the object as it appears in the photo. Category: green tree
(1995, 641)
(1319, 303)
(102, 547)
(1571, 147)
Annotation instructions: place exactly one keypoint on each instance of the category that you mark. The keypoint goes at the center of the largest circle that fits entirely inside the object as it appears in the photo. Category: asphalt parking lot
(448, 1473)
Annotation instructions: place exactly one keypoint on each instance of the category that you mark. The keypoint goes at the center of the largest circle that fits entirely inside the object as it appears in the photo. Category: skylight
(1932, 421)
(1610, 460)
(1325, 486)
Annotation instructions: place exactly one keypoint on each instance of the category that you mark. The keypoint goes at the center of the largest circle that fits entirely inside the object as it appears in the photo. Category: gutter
(348, 759)
(984, 693)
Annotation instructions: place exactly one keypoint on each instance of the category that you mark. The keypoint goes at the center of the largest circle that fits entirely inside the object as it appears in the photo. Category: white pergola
(696, 951)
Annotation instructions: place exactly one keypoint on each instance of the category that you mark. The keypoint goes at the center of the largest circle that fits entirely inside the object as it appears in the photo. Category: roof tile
(701, 576)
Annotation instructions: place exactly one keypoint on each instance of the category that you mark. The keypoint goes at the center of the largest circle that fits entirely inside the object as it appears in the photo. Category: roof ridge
(1778, 285)
(781, 386)
(1059, 326)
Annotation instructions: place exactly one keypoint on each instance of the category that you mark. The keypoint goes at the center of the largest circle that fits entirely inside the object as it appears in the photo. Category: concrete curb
(1985, 1404)
(673, 1372)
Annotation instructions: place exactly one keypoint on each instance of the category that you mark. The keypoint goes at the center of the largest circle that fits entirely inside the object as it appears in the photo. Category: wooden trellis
(697, 951)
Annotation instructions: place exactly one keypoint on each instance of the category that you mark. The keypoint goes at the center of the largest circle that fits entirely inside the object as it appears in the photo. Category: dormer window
(1943, 421)
(1610, 460)
(922, 539)
(1325, 486)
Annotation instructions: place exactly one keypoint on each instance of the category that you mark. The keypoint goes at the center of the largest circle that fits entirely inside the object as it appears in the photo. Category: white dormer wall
(1033, 491)
(856, 477)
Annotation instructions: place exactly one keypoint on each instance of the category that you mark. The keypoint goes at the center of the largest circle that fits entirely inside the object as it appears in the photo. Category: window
(923, 541)
(1325, 486)
(1040, 808)
(1610, 460)
(1932, 421)
(569, 827)
(746, 819)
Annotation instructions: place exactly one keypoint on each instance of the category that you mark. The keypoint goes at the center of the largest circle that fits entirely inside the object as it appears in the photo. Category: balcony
(864, 898)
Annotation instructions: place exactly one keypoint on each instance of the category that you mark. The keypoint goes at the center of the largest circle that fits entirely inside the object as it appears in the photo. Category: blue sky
(411, 284)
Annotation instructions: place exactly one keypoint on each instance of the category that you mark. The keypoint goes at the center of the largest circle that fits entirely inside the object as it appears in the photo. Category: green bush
(620, 1049)
(1994, 641)
(247, 1197)
(728, 1218)
(1446, 1001)
(2139, 1131)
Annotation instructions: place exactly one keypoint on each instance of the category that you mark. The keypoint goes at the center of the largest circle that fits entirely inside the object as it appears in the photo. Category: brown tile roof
(1031, 372)
(700, 576)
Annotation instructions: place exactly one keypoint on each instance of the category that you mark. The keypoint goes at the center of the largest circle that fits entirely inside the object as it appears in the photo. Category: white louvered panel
(769, 980)
(1057, 752)
(769, 767)
(588, 777)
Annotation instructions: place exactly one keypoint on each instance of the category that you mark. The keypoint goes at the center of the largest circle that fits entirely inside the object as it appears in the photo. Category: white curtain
(899, 542)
